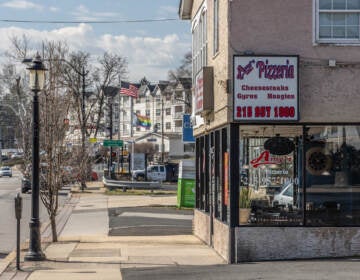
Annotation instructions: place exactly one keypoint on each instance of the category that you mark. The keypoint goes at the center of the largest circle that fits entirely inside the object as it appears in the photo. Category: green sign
(113, 143)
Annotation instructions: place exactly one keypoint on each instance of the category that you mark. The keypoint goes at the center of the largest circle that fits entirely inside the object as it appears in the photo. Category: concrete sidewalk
(85, 251)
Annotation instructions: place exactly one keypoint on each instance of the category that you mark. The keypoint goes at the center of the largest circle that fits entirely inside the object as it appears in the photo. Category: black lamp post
(37, 80)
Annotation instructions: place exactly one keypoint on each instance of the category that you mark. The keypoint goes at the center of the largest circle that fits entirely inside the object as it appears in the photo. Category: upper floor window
(216, 27)
(338, 21)
(199, 40)
(158, 98)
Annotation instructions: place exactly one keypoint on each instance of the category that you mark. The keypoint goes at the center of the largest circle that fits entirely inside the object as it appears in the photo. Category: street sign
(92, 140)
(187, 129)
(113, 143)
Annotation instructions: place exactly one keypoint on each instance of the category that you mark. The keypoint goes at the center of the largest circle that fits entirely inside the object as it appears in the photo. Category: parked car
(17, 155)
(285, 197)
(25, 184)
(154, 173)
(5, 171)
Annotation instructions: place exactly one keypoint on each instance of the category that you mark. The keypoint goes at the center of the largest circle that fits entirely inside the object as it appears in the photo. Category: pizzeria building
(276, 120)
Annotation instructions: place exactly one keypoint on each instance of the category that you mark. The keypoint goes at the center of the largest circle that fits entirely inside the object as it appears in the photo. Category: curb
(4, 263)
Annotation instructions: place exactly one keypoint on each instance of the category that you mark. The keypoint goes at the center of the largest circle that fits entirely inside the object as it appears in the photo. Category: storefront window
(289, 175)
(332, 175)
(269, 184)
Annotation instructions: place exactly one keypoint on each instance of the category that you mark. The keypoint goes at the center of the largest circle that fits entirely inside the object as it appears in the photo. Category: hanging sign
(266, 88)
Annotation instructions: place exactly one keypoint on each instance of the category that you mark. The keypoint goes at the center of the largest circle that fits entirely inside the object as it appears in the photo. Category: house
(276, 103)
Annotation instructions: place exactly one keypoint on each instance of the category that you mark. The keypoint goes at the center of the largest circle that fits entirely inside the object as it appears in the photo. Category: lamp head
(37, 73)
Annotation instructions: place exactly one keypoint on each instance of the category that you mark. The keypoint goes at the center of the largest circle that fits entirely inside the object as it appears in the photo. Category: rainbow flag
(142, 121)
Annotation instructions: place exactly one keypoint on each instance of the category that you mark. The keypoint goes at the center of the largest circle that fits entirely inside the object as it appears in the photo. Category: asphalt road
(348, 269)
(9, 187)
(147, 221)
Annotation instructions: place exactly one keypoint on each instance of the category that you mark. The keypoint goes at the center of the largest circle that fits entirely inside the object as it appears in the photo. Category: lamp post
(37, 80)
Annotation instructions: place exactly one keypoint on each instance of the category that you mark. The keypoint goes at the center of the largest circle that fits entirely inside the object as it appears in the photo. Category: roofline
(185, 7)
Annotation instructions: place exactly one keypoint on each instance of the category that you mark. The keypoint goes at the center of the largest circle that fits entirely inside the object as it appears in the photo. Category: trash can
(186, 184)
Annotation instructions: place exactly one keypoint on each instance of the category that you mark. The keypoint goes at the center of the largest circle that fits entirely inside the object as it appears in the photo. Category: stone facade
(279, 243)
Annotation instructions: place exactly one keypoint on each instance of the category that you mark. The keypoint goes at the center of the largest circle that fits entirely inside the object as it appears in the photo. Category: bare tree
(184, 70)
(54, 107)
(55, 104)
(112, 68)
(75, 79)
(18, 98)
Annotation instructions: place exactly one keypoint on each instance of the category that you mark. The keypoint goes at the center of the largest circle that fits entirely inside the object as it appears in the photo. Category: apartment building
(164, 105)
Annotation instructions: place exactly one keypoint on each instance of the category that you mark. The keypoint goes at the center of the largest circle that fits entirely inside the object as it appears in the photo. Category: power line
(90, 21)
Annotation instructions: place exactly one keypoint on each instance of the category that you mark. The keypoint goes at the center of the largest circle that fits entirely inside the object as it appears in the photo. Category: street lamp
(37, 80)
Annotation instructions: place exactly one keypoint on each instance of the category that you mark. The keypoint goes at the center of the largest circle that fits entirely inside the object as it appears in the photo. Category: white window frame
(199, 40)
(216, 27)
(335, 41)
(199, 51)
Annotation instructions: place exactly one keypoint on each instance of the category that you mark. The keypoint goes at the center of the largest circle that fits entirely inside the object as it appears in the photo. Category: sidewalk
(85, 251)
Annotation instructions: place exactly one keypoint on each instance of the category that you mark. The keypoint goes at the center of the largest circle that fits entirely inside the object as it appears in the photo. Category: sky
(152, 48)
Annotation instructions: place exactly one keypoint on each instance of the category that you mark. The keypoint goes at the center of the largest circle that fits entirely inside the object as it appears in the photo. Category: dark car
(25, 184)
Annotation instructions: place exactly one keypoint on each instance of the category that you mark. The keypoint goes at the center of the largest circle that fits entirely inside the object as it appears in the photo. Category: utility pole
(83, 125)
(131, 136)
(110, 136)
(0, 146)
(162, 129)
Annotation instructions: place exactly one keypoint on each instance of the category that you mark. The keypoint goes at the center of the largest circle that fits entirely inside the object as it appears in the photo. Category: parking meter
(18, 210)
(18, 206)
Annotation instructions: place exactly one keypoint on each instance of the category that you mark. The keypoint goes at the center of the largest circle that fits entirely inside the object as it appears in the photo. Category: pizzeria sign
(266, 88)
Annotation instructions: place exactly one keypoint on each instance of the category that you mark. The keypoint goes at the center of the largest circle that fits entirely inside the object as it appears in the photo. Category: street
(9, 187)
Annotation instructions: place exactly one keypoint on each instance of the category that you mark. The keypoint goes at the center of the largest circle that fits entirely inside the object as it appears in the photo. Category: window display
(333, 175)
(268, 170)
(294, 175)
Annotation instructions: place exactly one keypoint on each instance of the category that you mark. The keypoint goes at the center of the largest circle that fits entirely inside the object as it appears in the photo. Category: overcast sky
(152, 48)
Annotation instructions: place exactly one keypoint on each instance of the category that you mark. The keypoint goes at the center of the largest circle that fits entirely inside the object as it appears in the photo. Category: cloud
(151, 57)
(53, 9)
(83, 13)
(166, 10)
(21, 4)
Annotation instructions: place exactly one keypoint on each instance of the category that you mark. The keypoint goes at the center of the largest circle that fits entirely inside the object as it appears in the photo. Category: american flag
(129, 89)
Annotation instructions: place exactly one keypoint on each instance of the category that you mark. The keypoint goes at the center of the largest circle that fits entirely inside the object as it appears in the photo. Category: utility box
(186, 184)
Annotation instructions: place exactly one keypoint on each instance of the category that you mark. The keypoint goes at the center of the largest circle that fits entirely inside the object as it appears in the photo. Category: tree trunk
(53, 228)
(83, 167)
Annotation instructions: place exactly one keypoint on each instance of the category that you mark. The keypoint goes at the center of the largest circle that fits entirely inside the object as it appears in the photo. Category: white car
(285, 197)
(5, 171)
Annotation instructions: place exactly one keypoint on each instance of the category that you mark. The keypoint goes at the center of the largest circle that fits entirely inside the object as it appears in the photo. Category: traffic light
(113, 154)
